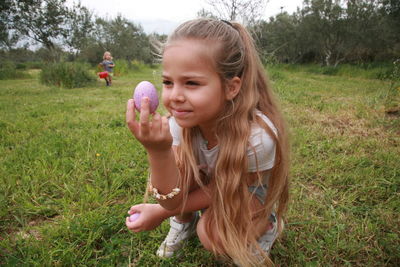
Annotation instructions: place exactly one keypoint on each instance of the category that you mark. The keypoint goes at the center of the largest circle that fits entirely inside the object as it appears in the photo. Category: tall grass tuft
(67, 75)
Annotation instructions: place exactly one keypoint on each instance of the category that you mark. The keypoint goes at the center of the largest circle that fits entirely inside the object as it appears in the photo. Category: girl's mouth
(180, 113)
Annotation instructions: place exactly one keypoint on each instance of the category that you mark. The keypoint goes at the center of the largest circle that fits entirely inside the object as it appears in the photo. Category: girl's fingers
(131, 225)
(165, 126)
(156, 123)
(135, 209)
(144, 116)
(130, 116)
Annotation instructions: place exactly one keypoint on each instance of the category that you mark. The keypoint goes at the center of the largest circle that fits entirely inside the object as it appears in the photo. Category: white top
(260, 153)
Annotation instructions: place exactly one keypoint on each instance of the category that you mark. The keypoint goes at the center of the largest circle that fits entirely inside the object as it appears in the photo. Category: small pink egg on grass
(134, 217)
(146, 89)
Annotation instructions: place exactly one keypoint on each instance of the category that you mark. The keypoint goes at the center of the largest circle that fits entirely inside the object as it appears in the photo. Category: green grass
(70, 170)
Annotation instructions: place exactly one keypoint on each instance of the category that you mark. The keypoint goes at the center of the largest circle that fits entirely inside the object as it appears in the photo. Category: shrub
(67, 75)
(35, 64)
(21, 66)
(121, 67)
(141, 66)
(8, 70)
(330, 70)
(325, 70)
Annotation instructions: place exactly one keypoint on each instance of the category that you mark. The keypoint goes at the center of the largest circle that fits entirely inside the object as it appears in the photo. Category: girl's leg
(185, 217)
(201, 231)
(182, 228)
(188, 216)
(260, 226)
(178, 234)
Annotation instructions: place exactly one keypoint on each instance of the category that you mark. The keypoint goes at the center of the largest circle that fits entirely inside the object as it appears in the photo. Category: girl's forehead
(204, 45)
(195, 49)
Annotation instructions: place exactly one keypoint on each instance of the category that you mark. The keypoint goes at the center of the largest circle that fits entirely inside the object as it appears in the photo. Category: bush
(124, 67)
(35, 64)
(21, 66)
(324, 70)
(121, 67)
(67, 75)
(8, 70)
(330, 70)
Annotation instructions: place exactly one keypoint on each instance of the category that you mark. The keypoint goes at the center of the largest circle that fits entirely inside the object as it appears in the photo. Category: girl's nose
(177, 94)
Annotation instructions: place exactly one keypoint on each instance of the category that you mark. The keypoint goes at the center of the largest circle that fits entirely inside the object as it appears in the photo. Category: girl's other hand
(154, 135)
(151, 216)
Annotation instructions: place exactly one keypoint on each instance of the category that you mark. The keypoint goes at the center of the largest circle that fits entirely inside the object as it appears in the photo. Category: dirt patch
(347, 125)
(394, 112)
(32, 230)
(344, 123)
(28, 234)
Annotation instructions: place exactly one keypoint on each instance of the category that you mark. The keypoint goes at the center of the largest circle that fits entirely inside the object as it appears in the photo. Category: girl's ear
(233, 87)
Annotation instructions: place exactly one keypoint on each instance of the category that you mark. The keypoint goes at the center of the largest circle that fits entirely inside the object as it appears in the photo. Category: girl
(107, 64)
(223, 152)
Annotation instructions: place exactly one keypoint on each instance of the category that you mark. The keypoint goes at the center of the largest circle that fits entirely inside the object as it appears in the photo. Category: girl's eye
(192, 83)
(167, 83)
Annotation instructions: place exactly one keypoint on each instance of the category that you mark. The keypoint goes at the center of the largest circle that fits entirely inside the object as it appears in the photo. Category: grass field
(70, 170)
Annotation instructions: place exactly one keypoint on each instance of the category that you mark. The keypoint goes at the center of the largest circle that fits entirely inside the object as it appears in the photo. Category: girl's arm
(152, 215)
(164, 176)
(197, 200)
(155, 136)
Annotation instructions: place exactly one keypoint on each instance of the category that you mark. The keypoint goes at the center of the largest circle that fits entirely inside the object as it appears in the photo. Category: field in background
(70, 170)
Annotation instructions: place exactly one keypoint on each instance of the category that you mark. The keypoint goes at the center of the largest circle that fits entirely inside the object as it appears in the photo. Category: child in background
(108, 66)
(223, 152)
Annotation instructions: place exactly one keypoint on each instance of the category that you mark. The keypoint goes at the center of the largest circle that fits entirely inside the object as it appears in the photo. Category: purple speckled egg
(143, 89)
(134, 217)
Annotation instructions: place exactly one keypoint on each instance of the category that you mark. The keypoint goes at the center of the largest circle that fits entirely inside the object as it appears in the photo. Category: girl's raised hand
(154, 135)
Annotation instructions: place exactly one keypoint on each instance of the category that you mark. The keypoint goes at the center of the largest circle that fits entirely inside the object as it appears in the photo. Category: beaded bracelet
(159, 196)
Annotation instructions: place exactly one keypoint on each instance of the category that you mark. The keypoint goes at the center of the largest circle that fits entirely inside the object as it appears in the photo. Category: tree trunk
(328, 55)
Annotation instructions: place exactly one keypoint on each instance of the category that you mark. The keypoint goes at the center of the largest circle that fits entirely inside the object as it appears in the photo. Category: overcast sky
(163, 15)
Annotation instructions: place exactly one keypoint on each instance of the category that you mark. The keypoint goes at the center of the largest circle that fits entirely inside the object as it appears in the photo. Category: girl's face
(192, 90)
(107, 56)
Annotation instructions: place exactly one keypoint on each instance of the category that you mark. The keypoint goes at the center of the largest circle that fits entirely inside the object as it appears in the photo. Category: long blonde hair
(230, 212)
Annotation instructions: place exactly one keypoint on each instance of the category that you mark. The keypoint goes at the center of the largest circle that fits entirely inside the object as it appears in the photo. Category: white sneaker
(177, 235)
(268, 238)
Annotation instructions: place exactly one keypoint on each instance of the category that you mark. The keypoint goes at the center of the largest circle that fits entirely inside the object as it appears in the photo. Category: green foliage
(325, 70)
(21, 66)
(9, 70)
(139, 65)
(381, 71)
(275, 73)
(392, 102)
(47, 20)
(123, 38)
(121, 67)
(34, 64)
(333, 32)
(67, 75)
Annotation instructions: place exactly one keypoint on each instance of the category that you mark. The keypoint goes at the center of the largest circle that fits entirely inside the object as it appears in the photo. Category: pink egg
(144, 89)
(134, 217)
